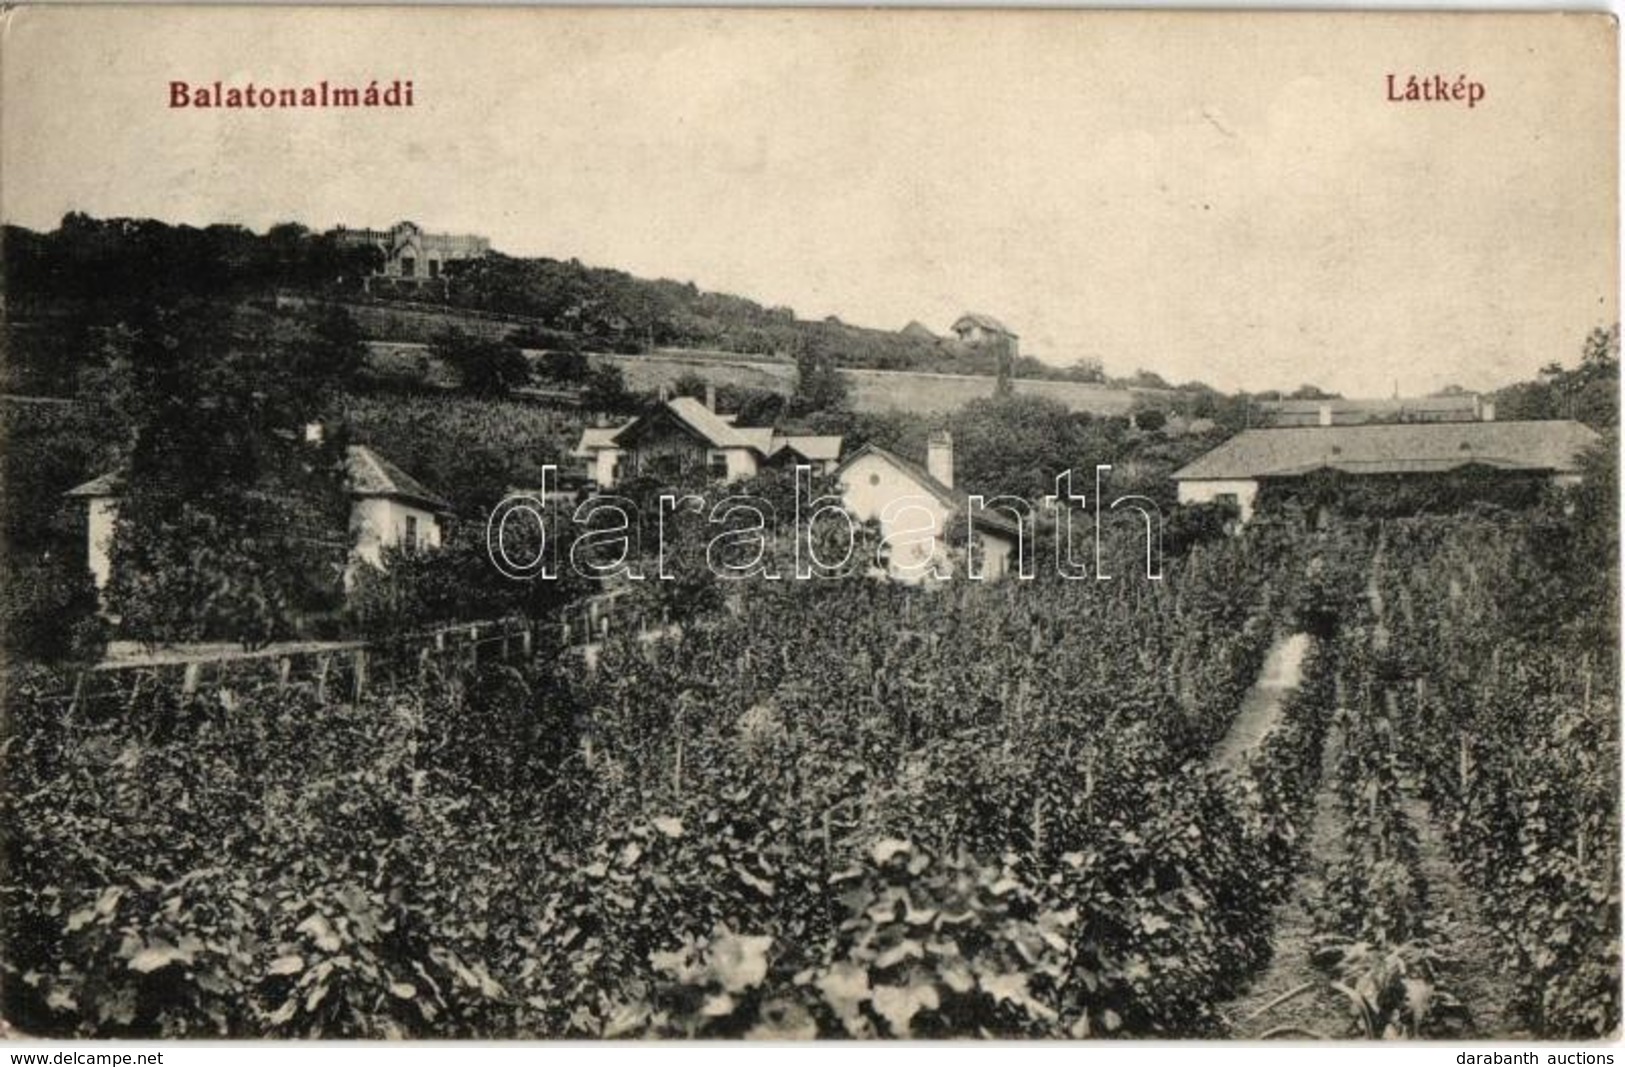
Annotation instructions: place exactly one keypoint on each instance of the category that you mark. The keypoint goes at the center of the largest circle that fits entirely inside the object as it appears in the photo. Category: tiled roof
(106, 485)
(370, 474)
(1449, 402)
(985, 519)
(366, 474)
(594, 438)
(809, 446)
(758, 437)
(1400, 448)
(986, 322)
(698, 418)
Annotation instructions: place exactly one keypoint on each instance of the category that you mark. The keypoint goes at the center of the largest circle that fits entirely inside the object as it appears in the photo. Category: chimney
(665, 392)
(710, 396)
(1325, 414)
(1486, 409)
(939, 457)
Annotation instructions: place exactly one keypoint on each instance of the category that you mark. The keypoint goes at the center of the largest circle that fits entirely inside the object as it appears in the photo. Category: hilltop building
(985, 332)
(413, 257)
(907, 500)
(978, 330)
(680, 435)
(388, 509)
(1239, 469)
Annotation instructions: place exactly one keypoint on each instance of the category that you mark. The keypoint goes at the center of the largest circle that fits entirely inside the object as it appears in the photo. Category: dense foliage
(901, 813)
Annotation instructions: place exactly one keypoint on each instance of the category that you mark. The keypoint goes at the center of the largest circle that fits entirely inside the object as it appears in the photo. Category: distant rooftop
(1395, 448)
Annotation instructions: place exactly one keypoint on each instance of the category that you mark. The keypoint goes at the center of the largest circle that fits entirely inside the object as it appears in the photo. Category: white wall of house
(1205, 491)
(377, 523)
(741, 463)
(912, 519)
(998, 555)
(602, 468)
(101, 513)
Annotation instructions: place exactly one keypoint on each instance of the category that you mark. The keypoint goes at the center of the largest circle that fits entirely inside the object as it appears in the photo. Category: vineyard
(854, 809)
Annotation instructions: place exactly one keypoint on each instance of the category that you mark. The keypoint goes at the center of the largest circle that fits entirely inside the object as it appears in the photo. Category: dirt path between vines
(1476, 976)
(1317, 1010)
(1261, 707)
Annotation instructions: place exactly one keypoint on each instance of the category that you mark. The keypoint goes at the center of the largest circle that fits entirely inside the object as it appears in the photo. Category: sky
(1215, 197)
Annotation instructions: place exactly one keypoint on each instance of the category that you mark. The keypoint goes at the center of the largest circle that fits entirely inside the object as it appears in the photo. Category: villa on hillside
(978, 330)
(412, 256)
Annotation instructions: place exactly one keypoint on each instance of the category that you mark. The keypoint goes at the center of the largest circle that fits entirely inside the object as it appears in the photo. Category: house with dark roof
(976, 329)
(915, 507)
(1237, 470)
(683, 435)
(388, 509)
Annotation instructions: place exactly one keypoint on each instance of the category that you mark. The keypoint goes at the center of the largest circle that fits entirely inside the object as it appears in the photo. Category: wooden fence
(347, 670)
(332, 670)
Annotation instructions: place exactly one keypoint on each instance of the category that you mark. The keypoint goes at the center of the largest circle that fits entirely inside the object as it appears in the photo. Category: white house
(1237, 470)
(684, 435)
(915, 508)
(388, 508)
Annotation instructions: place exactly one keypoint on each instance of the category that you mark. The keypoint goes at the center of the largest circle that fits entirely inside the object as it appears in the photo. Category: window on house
(718, 465)
(1227, 498)
(434, 268)
(409, 267)
(411, 533)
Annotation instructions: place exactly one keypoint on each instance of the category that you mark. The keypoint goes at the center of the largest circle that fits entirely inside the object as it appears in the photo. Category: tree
(1014, 445)
(1150, 419)
(231, 523)
(1601, 349)
(820, 385)
(487, 368)
(605, 390)
(689, 384)
(568, 365)
(338, 348)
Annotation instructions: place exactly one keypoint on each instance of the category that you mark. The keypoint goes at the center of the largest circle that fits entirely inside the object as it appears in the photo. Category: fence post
(284, 667)
(323, 662)
(360, 673)
(189, 678)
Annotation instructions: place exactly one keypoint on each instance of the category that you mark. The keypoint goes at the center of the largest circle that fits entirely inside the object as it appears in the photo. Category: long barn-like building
(1237, 470)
